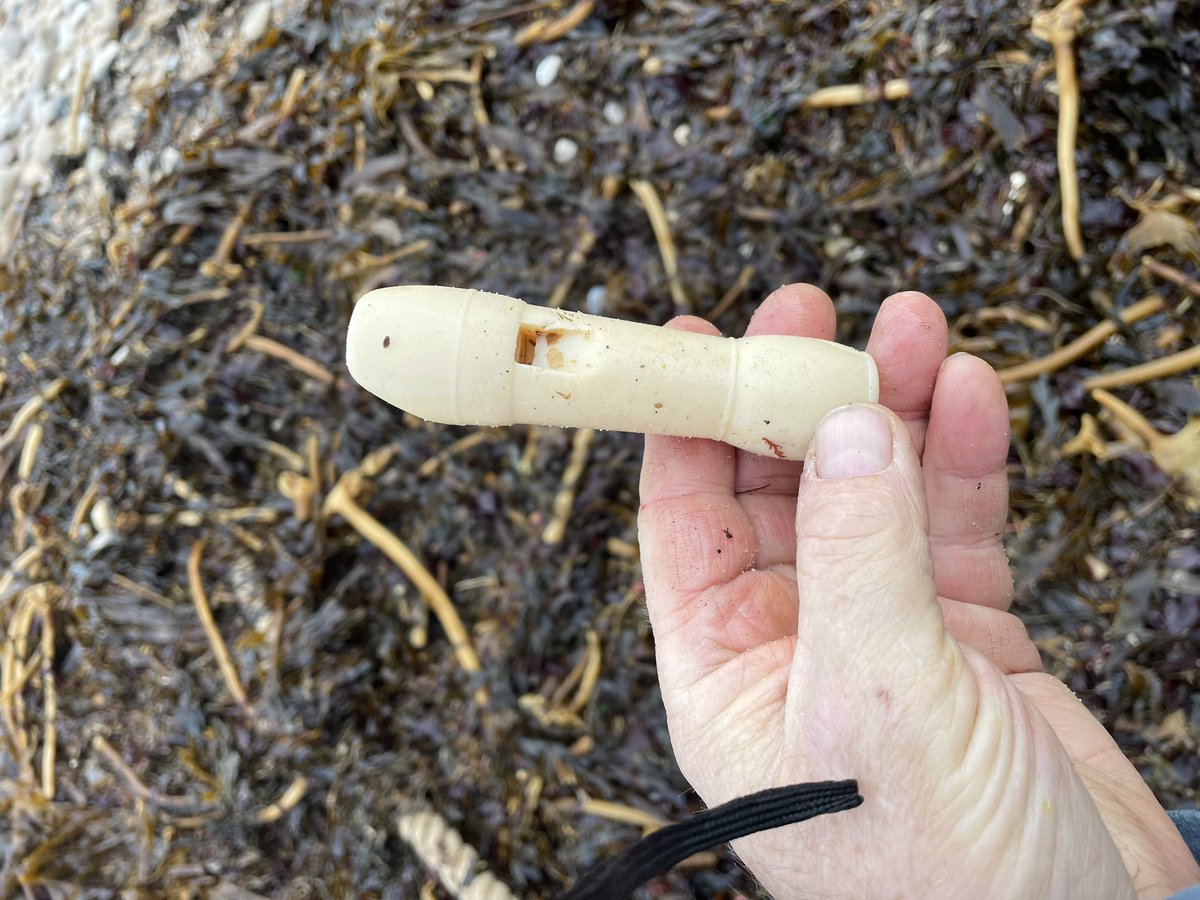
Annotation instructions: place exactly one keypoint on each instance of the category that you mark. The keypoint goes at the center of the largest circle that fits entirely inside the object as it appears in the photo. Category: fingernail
(851, 441)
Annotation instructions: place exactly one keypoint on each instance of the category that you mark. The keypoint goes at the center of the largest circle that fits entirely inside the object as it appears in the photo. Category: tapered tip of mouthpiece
(392, 351)
(441, 353)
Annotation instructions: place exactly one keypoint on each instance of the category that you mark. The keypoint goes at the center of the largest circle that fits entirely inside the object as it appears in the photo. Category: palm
(719, 544)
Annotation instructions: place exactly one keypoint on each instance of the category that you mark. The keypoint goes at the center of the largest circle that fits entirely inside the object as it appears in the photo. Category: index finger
(689, 510)
(675, 466)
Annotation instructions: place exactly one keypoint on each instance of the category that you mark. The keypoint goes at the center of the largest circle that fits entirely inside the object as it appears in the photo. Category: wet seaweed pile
(215, 680)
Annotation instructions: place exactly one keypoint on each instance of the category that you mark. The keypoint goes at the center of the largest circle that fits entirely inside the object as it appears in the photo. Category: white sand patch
(61, 60)
(51, 52)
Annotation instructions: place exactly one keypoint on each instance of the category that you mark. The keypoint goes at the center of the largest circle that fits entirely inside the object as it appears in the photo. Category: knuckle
(841, 516)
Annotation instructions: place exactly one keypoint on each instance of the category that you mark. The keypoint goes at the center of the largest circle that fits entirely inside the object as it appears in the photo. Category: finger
(678, 467)
(767, 487)
(799, 309)
(908, 343)
(1000, 636)
(966, 483)
(692, 531)
(696, 542)
(870, 619)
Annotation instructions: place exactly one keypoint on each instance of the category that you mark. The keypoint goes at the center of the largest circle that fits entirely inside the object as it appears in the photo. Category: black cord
(667, 847)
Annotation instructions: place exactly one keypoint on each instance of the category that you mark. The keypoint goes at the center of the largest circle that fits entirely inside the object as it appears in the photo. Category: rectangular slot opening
(535, 347)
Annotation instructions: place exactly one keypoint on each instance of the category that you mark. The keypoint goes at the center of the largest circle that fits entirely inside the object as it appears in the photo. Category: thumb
(870, 629)
(965, 784)
(863, 555)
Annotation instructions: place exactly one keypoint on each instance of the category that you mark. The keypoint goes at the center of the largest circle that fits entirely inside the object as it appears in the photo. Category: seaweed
(216, 683)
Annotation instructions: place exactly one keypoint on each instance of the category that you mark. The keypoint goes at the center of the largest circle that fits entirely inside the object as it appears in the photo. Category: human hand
(863, 632)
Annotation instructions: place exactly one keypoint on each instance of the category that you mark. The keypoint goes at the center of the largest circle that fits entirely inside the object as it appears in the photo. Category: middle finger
(766, 487)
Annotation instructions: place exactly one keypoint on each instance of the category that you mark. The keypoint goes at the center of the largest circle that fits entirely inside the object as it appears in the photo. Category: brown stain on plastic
(775, 448)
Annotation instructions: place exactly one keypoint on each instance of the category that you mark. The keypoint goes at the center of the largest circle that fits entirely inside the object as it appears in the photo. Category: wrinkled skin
(862, 631)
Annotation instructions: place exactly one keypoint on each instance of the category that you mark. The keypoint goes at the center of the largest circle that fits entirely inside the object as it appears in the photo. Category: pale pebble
(565, 151)
(42, 67)
(47, 38)
(614, 113)
(68, 33)
(256, 21)
(41, 146)
(37, 177)
(43, 113)
(597, 295)
(83, 130)
(547, 70)
(12, 42)
(168, 160)
(93, 162)
(838, 246)
(143, 165)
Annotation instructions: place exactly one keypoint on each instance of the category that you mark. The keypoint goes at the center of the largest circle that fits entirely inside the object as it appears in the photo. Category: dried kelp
(172, 379)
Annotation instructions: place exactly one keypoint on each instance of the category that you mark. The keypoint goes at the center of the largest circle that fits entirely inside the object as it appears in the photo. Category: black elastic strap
(669, 846)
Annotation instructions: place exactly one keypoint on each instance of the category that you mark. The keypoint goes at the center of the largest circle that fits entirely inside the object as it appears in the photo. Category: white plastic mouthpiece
(466, 357)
